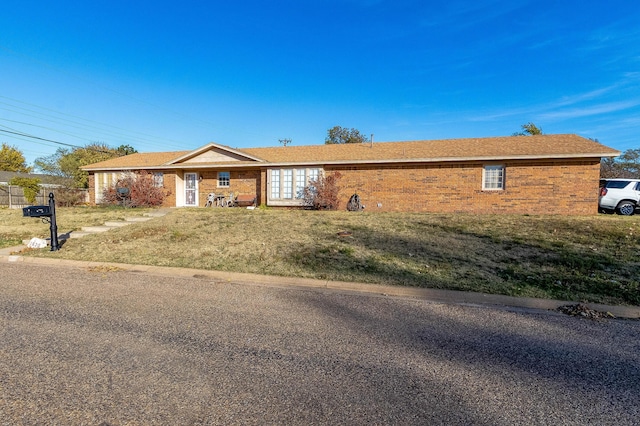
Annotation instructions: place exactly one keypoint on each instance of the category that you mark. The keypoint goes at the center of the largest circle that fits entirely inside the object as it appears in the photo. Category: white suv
(620, 195)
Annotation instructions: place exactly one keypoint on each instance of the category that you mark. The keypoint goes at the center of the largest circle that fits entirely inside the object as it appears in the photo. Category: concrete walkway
(441, 296)
(107, 226)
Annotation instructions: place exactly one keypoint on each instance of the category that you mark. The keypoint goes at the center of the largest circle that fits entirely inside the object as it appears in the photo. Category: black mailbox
(47, 214)
(36, 211)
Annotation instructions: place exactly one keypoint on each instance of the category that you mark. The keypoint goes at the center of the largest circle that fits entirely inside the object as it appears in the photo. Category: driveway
(104, 346)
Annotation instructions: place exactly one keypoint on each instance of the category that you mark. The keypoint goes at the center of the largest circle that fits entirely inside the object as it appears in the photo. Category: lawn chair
(211, 200)
(230, 202)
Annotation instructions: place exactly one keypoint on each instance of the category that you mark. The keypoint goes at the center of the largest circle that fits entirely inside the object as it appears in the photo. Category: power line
(176, 114)
(42, 127)
(16, 106)
(120, 133)
(26, 135)
(133, 98)
(83, 138)
(27, 140)
(158, 108)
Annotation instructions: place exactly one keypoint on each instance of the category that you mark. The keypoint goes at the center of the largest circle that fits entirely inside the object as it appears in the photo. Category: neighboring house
(544, 174)
(46, 181)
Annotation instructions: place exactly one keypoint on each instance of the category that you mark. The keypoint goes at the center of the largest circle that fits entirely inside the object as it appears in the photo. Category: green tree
(126, 150)
(529, 129)
(340, 135)
(66, 163)
(30, 187)
(12, 160)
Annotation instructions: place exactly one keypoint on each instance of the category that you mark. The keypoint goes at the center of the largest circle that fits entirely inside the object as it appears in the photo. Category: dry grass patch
(14, 227)
(592, 259)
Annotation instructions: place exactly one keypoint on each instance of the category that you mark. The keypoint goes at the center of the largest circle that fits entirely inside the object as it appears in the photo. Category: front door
(190, 189)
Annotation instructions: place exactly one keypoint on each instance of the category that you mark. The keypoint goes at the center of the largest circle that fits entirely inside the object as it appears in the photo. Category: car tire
(626, 208)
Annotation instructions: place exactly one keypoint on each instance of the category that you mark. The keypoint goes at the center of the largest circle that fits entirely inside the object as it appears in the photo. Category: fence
(13, 196)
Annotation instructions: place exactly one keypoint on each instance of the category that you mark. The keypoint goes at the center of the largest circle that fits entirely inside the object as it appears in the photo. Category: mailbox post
(47, 214)
(53, 226)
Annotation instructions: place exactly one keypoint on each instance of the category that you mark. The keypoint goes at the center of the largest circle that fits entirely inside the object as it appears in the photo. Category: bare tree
(626, 165)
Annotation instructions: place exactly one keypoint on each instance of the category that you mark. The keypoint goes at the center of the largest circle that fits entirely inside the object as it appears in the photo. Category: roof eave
(449, 159)
(263, 163)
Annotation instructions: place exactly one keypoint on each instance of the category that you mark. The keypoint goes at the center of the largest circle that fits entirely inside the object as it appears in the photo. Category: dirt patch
(104, 269)
(581, 310)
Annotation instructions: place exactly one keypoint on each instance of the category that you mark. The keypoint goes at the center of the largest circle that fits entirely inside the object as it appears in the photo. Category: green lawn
(594, 259)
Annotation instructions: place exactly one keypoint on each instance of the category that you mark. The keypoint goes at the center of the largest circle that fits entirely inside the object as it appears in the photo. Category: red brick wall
(170, 189)
(240, 182)
(92, 189)
(543, 187)
(169, 186)
(262, 190)
(531, 187)
(245, 182)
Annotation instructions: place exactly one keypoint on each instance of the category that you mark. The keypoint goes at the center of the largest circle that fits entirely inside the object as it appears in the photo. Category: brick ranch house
(544, 174)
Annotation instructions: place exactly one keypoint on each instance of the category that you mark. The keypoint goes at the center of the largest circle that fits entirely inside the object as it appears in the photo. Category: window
(493, 177)
(158, 179)
(289, 184)
(300, 183)
(275, 183)
(313, 174)
(224, 179)
(617, 184)
(104, 181)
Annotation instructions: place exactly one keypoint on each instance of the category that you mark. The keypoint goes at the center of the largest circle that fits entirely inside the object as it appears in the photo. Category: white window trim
(282, 191)
(500, 178)
(229, 180)
(158, 179)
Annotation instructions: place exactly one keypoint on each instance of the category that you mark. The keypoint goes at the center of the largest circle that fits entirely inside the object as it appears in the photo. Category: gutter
(195, 166)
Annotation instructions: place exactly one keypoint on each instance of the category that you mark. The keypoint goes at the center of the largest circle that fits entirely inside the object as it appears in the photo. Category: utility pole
(284, 142)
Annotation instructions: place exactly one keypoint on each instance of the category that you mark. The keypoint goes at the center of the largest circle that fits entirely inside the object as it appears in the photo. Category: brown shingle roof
(139, 160)
(543, 146)
(508, 147)
(6, 176)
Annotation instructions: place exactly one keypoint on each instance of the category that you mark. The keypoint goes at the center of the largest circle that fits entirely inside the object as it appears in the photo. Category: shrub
(69, 197)
(322, 193)
(30, 187)
(141, 191)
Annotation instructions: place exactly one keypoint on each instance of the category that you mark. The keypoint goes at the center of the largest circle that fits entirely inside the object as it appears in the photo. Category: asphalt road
(97, 346)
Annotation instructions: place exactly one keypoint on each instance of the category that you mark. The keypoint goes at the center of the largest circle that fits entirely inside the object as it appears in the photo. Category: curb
(433, 295)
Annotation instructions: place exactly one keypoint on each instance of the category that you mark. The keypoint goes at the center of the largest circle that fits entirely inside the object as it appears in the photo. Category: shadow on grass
(463, 260)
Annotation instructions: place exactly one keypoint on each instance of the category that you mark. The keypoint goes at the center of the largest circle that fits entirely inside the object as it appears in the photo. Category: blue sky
(164, 76)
